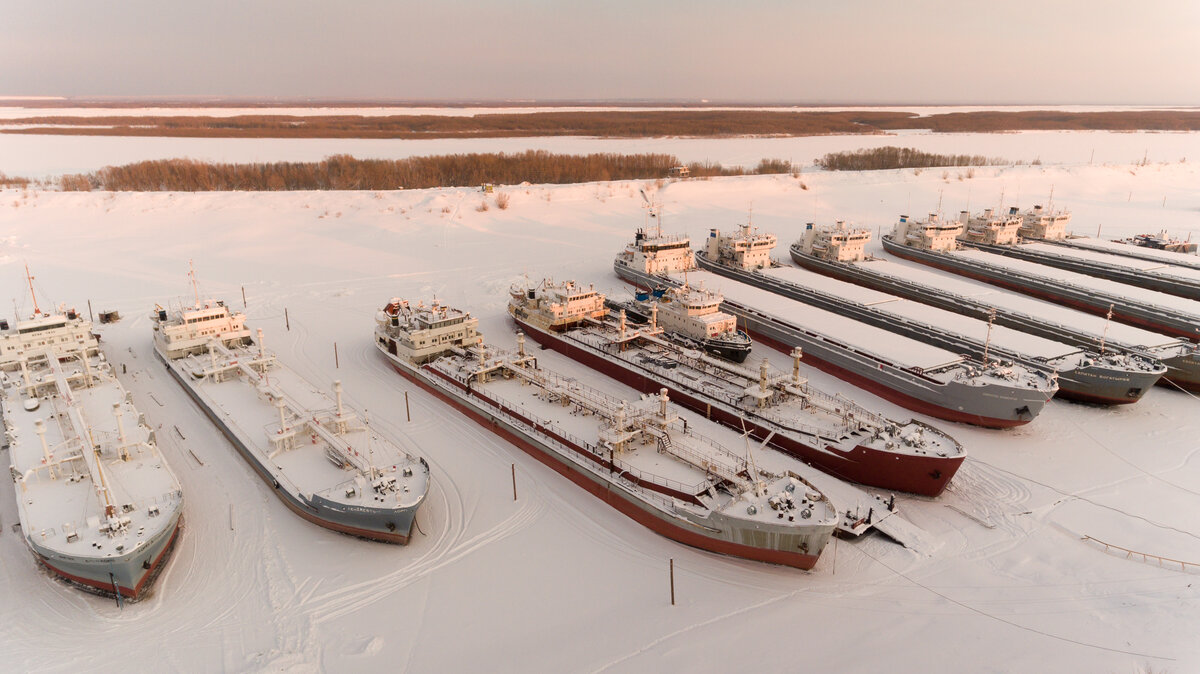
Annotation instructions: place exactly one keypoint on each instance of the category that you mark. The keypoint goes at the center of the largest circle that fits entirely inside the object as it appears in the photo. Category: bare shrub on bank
(881, 158)
(343, 172)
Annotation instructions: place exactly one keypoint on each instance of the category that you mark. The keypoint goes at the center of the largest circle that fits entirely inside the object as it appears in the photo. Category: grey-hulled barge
(823, 251)
(322, 459)
(1001, 234)
(98, 504)
(934, 242)
(918, 376)
(638, 456)
(829, 432)
(1110, 378)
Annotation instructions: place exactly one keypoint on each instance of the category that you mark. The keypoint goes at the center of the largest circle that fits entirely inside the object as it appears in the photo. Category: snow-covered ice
(558, 581)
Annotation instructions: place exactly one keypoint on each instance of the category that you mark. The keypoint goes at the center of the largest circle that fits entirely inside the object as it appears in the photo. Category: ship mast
(1104, 335)
(195, 286)
(29, 280)
(988, 342)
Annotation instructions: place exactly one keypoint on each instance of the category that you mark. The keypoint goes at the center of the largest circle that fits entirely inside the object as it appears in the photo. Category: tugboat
(923, 378)
(637, 456)
(97, 503)
(829, 432)
(322, 458)
(691, 316)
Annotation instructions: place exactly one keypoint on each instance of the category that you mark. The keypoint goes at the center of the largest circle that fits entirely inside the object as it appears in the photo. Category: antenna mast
(29, 279)
(195, 286)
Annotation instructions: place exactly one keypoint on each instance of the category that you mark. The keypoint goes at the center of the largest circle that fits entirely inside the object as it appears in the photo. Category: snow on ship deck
(143, 488)
(903, 351)
(1016, 302)
(306, 468)
(707, 462)
(1183, 273)
(1099, 285)
(812, 412)
(970, 328)
(1190, 260)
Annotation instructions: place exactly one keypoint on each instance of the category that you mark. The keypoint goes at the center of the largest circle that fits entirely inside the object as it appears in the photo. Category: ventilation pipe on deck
(797, 353)
(40, 427)
(279, 405)
(262, 352)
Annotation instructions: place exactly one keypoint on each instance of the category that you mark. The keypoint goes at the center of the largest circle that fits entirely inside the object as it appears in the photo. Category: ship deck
(1015, 302)
(1165, 268)
(1171, 257)
(585, 427)
(51, 510)
(306, 469)
(680, 469)
(905, 352)
(811, 413)
(970, 328)
(1101, 286)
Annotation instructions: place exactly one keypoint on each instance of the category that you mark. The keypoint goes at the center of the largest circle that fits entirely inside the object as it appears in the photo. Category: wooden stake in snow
(94, 320)
(286, 322)
(243, 297)
(231, 517)
(407, 414)
(514, 474)
(672, 581)
(336, 366)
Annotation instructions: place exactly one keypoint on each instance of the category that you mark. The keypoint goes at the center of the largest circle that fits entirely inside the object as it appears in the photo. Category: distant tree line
(899, 157)
(343, 172)
(607, 124)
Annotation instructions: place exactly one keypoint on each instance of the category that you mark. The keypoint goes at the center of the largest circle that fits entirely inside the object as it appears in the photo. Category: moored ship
(322, 458)
(691, 316)
(999, 235)
(829, 432)
(933, 242)
(637, 456)
(1099, 336)
(98, 504)
(1110, 378)
(918, 376)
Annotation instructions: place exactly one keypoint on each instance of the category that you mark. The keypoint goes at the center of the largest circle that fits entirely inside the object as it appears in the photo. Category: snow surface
(1183, 273)
(903, 351)
(972, 328)
(1100, 285)
(1031, 306)
(558, 581)
(1168, 256)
